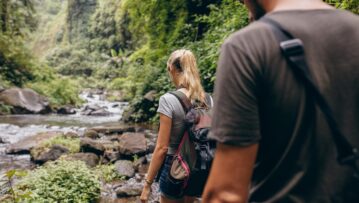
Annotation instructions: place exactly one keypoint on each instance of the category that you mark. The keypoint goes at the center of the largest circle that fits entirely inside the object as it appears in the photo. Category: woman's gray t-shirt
(170, 106)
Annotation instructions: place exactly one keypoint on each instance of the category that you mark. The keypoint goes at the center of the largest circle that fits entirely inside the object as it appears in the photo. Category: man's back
(262, 101)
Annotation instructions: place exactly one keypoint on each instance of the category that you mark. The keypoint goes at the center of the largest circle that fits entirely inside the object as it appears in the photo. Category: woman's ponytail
(188, 77)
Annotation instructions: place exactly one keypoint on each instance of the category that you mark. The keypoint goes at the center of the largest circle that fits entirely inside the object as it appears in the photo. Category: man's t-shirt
(259, 100)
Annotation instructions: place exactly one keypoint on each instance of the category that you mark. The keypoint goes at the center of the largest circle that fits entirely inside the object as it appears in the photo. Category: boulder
(133, 143)
(151, 144)
(139, 162)
(95, 146)
(90, 159)
(91, 134)
(71, 135)
(41, 156)
(113, 129)
(25, 101)
(95, 110)
(24, 146)
(111, 156)
(66, 110)
(125, 168)
(100, 112)
(129, 190)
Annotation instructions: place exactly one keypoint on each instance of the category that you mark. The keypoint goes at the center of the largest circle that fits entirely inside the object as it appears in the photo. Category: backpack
(195, 152)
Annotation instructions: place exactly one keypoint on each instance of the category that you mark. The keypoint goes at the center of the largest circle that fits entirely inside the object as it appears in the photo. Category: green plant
(6, 183)
(60, 91)
(61, 181)
(108, 173)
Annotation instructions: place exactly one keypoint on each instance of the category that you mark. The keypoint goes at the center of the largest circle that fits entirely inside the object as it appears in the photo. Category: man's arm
(231, 174)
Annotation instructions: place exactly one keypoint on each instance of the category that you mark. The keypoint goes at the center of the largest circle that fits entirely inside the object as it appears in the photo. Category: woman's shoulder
(167, 97)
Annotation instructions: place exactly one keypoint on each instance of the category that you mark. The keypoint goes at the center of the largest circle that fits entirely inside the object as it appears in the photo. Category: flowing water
(13, 128)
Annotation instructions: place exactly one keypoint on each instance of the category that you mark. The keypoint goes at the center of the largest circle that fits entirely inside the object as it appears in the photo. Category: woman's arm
(159, 154)
(161, 148)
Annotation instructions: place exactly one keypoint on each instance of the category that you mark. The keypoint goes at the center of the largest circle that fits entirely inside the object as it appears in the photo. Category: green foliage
(222, 21)
(6, 182)
(351, 5)
(60, 91)
(61, 181)
(16, 64)
(168, 26)
(107, 173)
(5, 109)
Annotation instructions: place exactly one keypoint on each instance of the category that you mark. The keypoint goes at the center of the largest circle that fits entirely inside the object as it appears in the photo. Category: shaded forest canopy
(58, 47)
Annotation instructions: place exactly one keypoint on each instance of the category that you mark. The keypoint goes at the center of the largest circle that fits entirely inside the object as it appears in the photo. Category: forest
(60, 48)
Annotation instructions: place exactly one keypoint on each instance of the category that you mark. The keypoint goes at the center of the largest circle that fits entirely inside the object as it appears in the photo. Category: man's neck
(281, 5)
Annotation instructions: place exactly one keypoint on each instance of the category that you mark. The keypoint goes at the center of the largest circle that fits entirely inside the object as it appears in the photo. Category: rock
(25, 101)
(14, 162)
(55, 151)
(151, 145)
(129, 190)
(124, 168)
(143, 169)
(150, 96)
(113, 129)
(2, 141)
(66, 110)
(133, 143)
(24, 146)
(100, 112)
(140, 161)
(95, 146)
(112, 155)
(90, 159)
(95, 110)
(91, 134)
(71, 135)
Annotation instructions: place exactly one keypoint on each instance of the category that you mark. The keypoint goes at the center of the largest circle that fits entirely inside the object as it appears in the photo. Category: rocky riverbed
(102, 140)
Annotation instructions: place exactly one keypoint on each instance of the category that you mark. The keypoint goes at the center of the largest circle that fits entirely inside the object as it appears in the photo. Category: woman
(183, 71)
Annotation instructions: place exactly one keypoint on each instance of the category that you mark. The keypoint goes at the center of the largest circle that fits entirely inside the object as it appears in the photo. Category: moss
(73, 144)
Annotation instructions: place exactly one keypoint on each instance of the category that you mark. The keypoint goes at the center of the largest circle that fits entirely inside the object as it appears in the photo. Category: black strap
(293, 50)
(185, 102)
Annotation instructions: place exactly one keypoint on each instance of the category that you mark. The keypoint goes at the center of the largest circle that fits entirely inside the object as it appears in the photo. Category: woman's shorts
(173, 189)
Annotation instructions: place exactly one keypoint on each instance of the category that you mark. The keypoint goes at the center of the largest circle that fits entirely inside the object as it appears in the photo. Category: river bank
(102, 138)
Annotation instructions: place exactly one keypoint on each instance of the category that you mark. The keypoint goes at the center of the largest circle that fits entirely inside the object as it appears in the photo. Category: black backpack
(198, 124)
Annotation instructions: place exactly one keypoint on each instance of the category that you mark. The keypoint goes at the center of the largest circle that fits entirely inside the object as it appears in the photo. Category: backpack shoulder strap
(209, 100)
(185, 102)
(293, 50)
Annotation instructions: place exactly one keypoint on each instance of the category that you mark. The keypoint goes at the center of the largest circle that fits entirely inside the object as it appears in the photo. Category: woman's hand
(146, 191)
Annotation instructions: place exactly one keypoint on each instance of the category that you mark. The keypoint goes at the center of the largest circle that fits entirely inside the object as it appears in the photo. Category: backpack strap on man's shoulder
(185, 102)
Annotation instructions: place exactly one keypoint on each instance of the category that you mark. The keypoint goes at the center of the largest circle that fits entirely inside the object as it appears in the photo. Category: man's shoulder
(252, 32)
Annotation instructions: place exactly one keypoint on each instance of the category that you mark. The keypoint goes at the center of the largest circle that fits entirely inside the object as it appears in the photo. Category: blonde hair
(187, 74)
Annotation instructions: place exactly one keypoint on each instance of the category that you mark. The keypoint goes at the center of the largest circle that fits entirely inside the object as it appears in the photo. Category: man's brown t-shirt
(259, 100)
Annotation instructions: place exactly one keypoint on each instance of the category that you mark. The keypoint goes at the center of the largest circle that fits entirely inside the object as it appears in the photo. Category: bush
(60, 91)
(107, 173)
(61, 181)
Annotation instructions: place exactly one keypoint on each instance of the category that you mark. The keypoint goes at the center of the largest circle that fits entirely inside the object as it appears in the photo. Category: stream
(14, 128)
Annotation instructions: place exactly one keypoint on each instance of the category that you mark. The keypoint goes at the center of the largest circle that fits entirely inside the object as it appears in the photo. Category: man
(273, 143)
